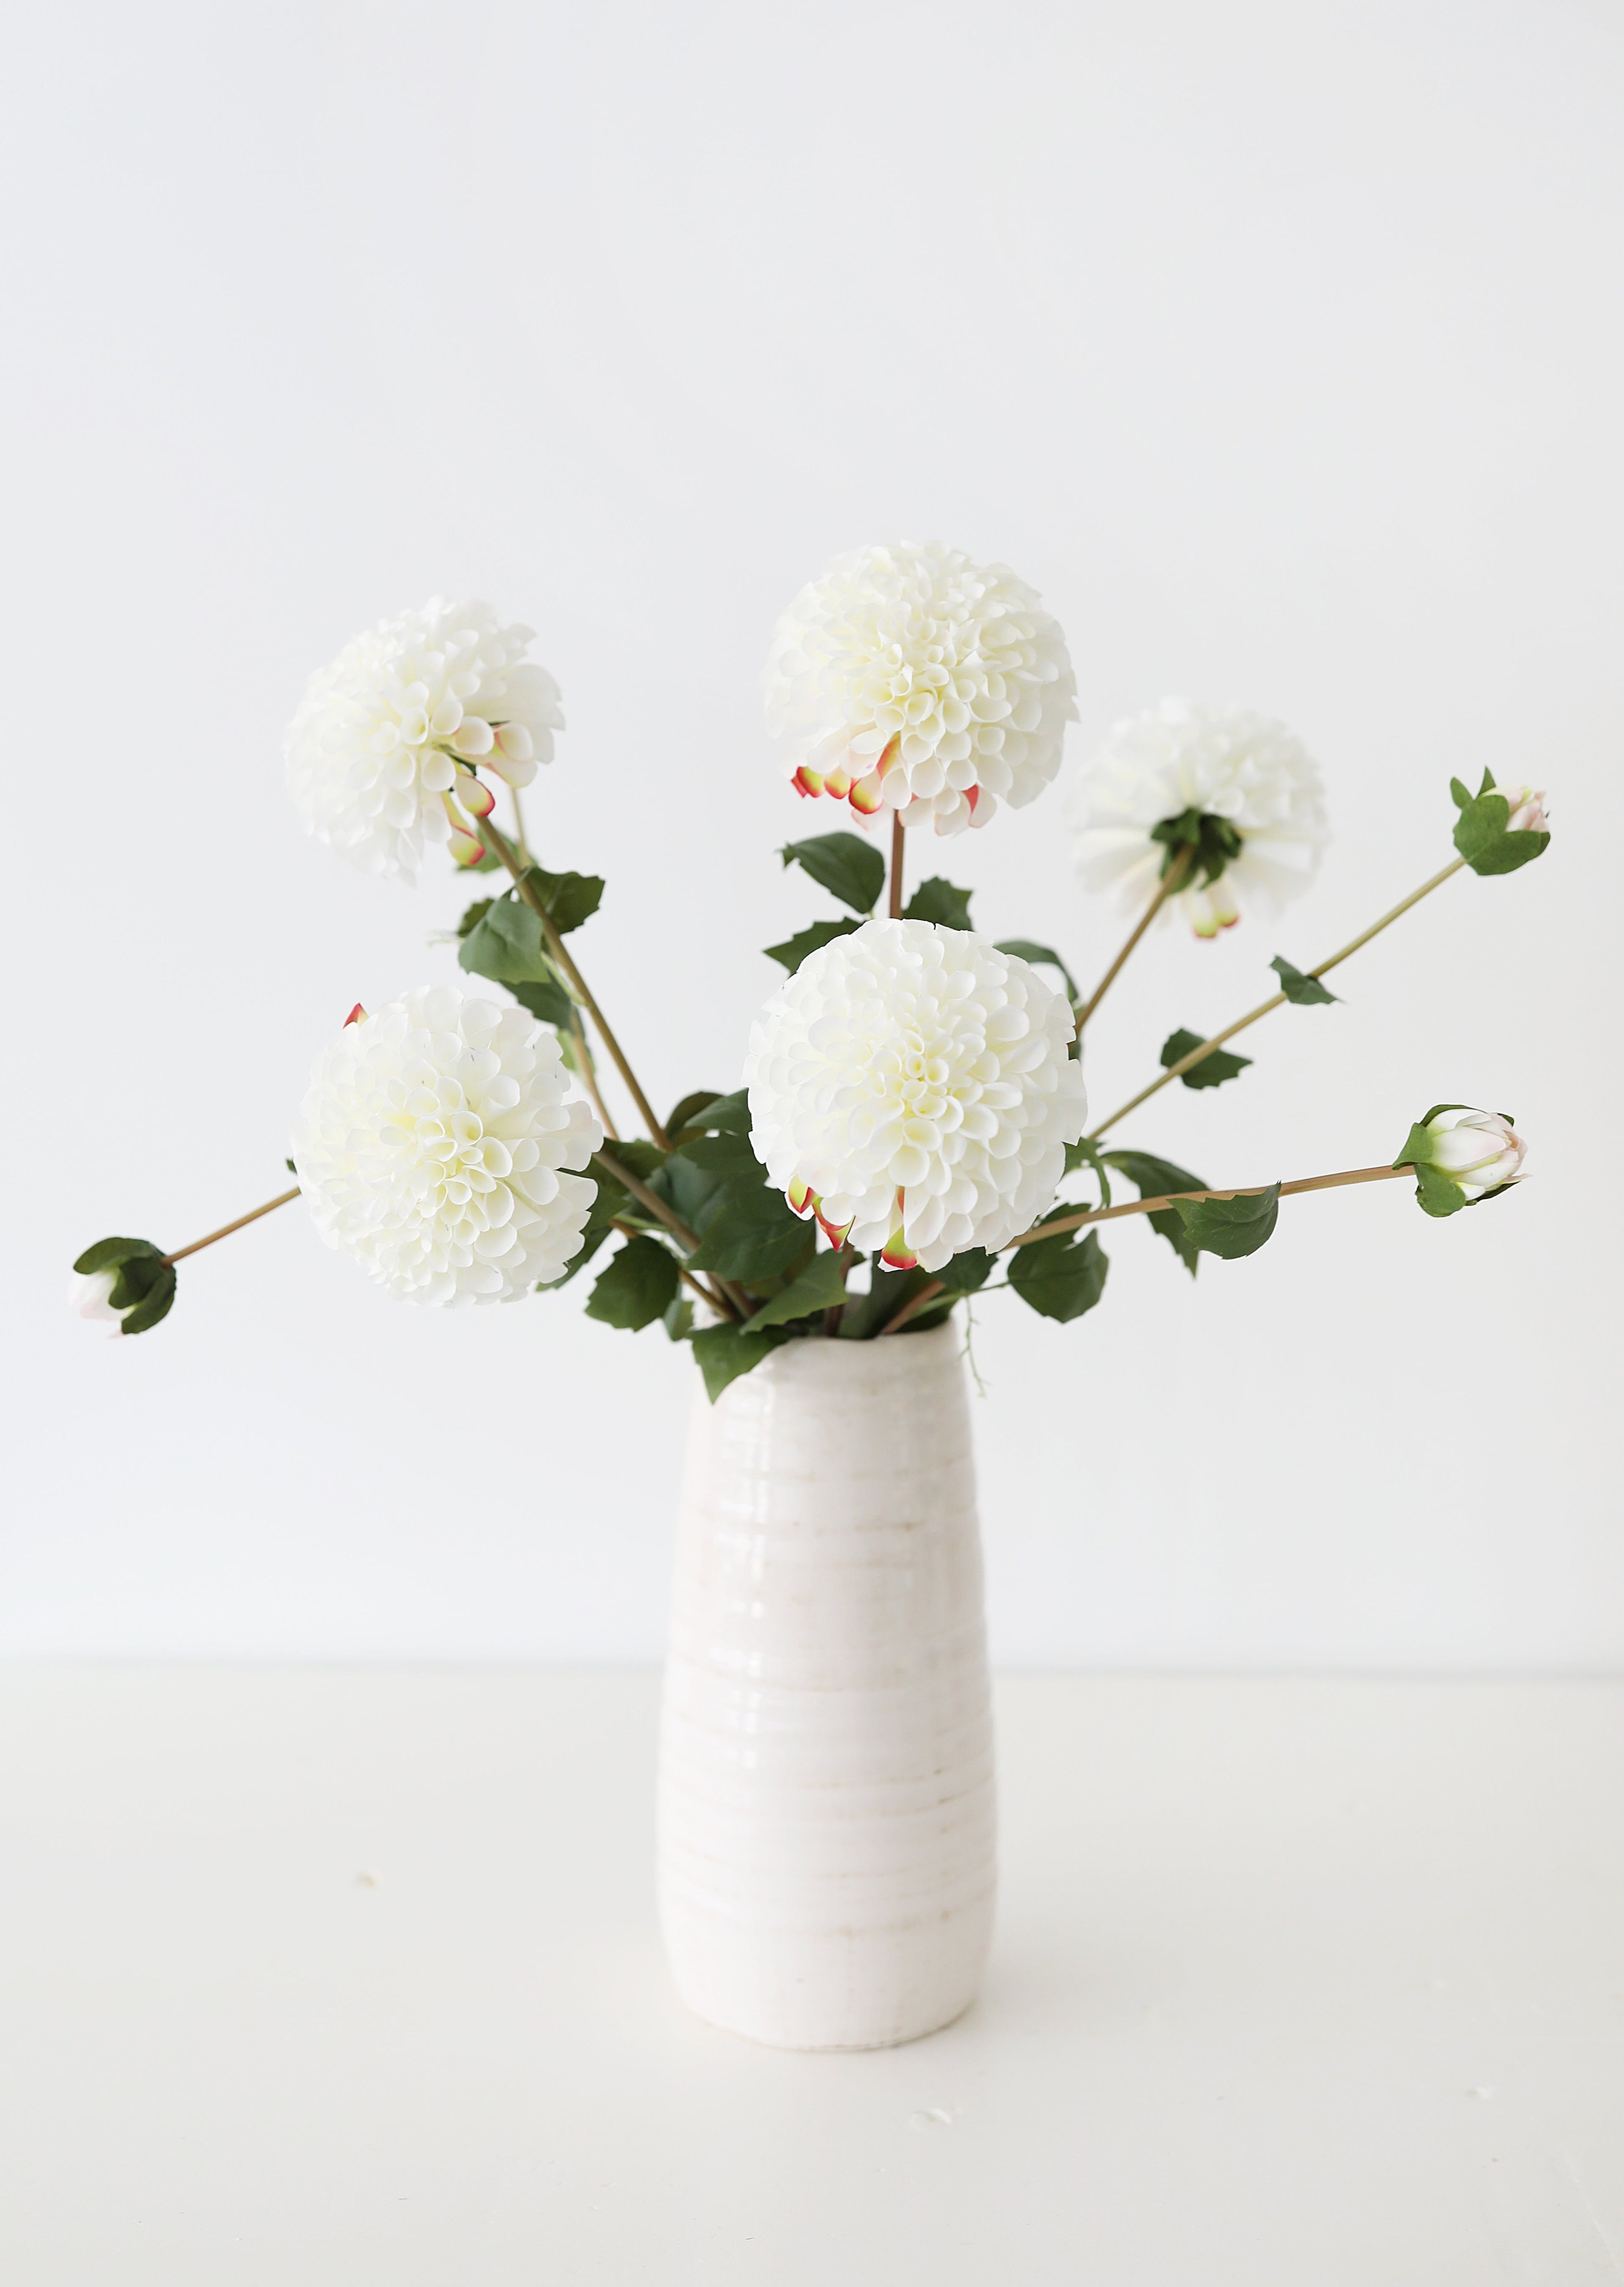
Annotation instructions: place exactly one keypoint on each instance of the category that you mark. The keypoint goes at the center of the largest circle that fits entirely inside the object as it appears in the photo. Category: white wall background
(1280, 346)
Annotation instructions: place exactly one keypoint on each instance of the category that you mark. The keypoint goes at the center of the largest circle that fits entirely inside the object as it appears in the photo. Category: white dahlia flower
(914, 679)
(431, 1146)
(388, 740)
(1239, 789)
(912, 1087)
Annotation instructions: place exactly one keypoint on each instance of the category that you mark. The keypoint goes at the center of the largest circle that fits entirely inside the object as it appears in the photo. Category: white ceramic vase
(827, 1815)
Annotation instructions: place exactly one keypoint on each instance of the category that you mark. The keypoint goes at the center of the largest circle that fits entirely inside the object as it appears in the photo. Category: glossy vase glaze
(826, 1816)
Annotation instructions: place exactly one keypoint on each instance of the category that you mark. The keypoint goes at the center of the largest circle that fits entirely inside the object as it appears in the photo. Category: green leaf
(474, 913)
(1154, 1179)
(1084, 1154)
(725, 1352)
(550, 1004)
(849, 867)
(1481, 835)
(939, 901)
(569, 899)
(638, 1287)
(968, 1271)
(727, 1115)
(678, 1319)
(1061, 1278)
(1301, 992)
(689, 1109)
(1212, 1072)
(155, 1304)
(1023, 949)
(888, 1291)
(643, 1159)
(821, 1286)
(1231, 1228)
(108, 1253)
(505, 944)
(725, 1155)
(752, 1235)
(611, 1201)
(794, 949)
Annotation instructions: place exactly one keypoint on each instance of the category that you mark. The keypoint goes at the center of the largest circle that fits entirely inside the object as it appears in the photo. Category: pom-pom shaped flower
(914, 679)
(387, 741)
(913, 1087)
(1237, 791)
(1462, 1156)
(431, 1146)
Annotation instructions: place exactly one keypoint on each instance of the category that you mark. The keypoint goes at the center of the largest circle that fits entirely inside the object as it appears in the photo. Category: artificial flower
(911, 678)
(1462, 1156)
(432, 1146)
(1237, 789)
(385, 751)
(914, 1087)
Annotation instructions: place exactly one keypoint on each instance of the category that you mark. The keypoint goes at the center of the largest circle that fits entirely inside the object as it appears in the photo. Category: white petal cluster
(911, 677)
(372, 751)
(431, 1146)
(914, 1077)
(1222, 761)
(1478, 1151)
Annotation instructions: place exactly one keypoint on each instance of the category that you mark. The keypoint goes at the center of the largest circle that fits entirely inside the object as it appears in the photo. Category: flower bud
(128, 1283)
(94, 1297)
(1461, 1157)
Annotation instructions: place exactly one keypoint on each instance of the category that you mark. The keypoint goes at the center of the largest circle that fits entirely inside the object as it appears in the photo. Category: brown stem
(1177, 1071)
(836, 1311)
(915, 1302)
(716, 1303)
(1171, 882)
(556, 946)
(225, 1229)
(894, 905)
(618, 1173)
(519, 824)
(588, 1076)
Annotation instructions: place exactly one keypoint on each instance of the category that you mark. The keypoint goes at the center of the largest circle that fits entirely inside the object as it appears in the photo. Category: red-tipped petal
(895, 1255)
(357, 1016)
(475, 797)
(805, 781)
(972, 796)
(892, 753)
(802, 1199)
(865, 796)
(837, 784)
(464, 848)
(837, 1234)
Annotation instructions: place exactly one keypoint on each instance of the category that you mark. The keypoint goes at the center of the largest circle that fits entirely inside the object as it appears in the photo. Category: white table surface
(348, 1977)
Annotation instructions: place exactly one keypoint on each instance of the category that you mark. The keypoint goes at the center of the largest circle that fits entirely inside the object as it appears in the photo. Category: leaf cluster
(1481, 831)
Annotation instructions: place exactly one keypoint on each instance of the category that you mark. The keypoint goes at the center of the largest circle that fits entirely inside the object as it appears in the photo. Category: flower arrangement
(912, 1105)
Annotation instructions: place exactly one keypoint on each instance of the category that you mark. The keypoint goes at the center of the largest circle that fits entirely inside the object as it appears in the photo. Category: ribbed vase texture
(826, 1813)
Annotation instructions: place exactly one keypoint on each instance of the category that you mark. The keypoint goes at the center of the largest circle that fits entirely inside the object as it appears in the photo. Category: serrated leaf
(796, 949)
(1301, 992)
(1023, 949)
(849, 867)
(1061, 1278)
(939, 901)
(749, 1235)
(1232, 1227)
(638, 1287)
(821, 1286)
(568, 900)
(506, 945)
(1154, 1179)
(1212, 1072)
(550, 1004)
(725, 1352)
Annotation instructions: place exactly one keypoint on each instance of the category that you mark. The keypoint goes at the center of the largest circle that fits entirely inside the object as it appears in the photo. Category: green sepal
(939, 901)
(1301, 992)
(1154, 1179)
(1436, 1192)
(1023, 949)
(821, 1286)
(752, 1235)
(1214, 841)
(108, 1253)
(1212, 1072)
(639, 1285)
(796, 949)
(1481, 833)
(154, 1304)
(1063, 1277)
(849, 867)
(725, 1352)
(1232, 1227)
